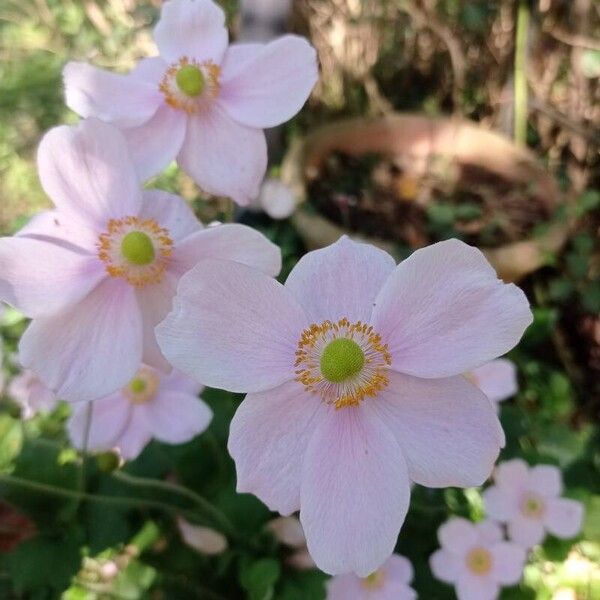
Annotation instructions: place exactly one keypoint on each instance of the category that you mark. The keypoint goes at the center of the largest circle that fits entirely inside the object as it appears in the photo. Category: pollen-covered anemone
(528, 500)
(98, 273)
(476, 560)
(153, 405)
(200, 101)
(354, 369)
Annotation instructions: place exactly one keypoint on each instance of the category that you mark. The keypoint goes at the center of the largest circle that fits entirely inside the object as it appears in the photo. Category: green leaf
(11, 440)
(259, 578)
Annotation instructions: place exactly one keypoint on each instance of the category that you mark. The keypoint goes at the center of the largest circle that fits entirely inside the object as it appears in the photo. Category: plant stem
(520, 116)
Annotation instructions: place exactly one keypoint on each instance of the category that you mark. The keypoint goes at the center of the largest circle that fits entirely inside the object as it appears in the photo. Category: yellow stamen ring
(479, 561)
(136, 249)
(187, 84)
(142, 387)
(343, 362)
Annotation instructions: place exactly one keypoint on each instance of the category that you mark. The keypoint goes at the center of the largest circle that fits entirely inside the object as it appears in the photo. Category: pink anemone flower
(390, 582)
(151, 405)
(354, 369)
(99, 272)
(201, 101)
(528, 500)
(496, 379)
(475, 558)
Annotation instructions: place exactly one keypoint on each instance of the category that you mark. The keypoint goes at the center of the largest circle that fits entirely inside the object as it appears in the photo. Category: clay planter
(456, 142)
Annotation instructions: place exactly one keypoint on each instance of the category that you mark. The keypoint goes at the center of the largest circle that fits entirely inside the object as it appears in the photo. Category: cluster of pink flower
(354, 369)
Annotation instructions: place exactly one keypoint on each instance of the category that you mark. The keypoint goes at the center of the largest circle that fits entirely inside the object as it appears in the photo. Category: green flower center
(479, 561)
(138, 385)
(137, 248)
(341, 359)
(190, 80)
(532, 507)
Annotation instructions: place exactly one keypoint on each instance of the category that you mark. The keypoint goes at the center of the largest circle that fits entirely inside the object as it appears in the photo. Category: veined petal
(171, 212)
(223, 157)
(122, 100)
(443, 312)
(88, 173)
(155, 143)
(43, 278)
(267, 86)
(175, 417)
(448, 430)
(192, 28)
(232, 327)
(354, 473)
(269, 434)
(341, 280)
(229, 242)
(150, 70)
(90, 350)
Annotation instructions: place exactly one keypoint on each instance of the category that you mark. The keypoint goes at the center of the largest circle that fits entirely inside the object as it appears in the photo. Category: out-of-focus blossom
(390, 582)
(30, 393)
(496, 379)
(201, 101)
(528, 500)
(276, 199)
(476, 560)
(288, 531)
(151, 405)
(203, 539)
(99, 272)
(349, 327)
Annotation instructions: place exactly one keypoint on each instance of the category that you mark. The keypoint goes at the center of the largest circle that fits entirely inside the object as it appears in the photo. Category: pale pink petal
(191, 28)
(134, 436)
(150, 70)
(54, 227)
(457, 536)
(268, 86)
(175, 418)
(223, 157)
(508, 561)
(341, 280)
(399, 569)
(445, 566)
(563, 517)
(500, 504)
(288, 531)
(489, 532)
(155, 302)
(232, 327)
(277, 199)
(228, 242)
(345, 587)
(108, 419)
(394, 591)
(88, 173)
(171, 212)
(89, 350)
(154, 144)
(178, 382)
(526, 532)
(473, 587)
(443, 312)
(354, 492)
(42, 278)
(269, 435)
(122, 100)
(545, 480)
(447, 429)
(496, 379)
(203, 539)
(512, 475)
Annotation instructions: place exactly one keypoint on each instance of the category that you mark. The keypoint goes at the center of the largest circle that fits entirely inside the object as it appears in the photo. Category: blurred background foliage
(64, 516)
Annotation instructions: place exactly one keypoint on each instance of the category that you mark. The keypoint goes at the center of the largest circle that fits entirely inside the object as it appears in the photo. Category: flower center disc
(142, 387)
(532, 507)
(190, 80)
(341, 359)
(137, 248)
(374, 580)
(479, 561)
